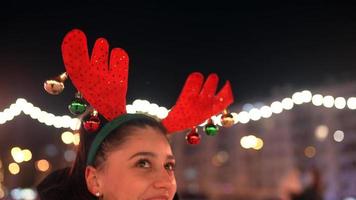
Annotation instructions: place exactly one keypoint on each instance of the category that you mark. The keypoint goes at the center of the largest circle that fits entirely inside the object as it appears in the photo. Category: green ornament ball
(77, 107)
(211, 129)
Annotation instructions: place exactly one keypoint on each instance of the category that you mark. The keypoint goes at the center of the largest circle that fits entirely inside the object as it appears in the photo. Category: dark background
(258, 46)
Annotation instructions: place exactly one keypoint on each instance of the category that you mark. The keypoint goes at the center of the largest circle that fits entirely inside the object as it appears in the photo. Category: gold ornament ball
(227, 120)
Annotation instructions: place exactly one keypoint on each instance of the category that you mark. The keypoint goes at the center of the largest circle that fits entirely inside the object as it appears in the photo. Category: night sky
(257, 46)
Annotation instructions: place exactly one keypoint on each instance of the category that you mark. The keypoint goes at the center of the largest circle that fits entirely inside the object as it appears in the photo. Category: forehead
(146, 139)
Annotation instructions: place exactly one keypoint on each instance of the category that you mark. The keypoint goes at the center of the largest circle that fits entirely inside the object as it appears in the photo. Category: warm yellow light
(42, 165)
(15, 150)
(27, 155)
(17, 155)
(67, 137)
(259, 144)
(14, 168)
(244, 142)
(252, 140)
(310, 151)
(76, 139)
(248, 141)
(321, 132)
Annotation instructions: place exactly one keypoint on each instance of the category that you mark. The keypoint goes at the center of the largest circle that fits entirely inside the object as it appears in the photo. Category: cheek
(124, 184)
(174, 187)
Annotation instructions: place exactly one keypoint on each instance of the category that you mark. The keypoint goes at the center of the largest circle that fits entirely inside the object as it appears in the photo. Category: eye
(170, 166)
(143, 163)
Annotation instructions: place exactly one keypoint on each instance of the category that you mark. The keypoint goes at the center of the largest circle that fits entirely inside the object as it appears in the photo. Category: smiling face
(142, 168)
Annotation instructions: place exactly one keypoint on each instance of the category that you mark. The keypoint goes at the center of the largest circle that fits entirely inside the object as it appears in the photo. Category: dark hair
(74, 178)
(116, 138)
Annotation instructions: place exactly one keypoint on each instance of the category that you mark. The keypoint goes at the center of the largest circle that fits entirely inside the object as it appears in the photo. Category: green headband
(106, 130)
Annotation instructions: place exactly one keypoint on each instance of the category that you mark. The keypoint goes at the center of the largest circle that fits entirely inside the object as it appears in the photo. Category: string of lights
(22, 106)
(20, 155)
(144, 106)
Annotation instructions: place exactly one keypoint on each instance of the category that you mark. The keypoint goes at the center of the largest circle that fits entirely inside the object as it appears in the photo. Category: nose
(165, 180)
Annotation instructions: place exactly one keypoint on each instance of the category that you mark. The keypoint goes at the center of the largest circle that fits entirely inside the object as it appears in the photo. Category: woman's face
(141, 169)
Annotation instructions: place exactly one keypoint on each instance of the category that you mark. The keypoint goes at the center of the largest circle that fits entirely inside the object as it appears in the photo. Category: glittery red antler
(198, 102)
(102, 83)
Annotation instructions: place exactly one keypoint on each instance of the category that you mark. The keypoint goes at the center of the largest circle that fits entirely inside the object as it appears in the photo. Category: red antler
(198, 102)
(103, 84)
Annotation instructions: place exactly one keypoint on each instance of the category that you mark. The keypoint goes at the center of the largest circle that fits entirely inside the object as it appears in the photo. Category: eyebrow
(150, 154)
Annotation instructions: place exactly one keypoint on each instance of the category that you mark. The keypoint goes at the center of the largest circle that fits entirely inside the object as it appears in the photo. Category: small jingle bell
(93, 123)
(193, 136)
(227, 120)
(55, 85)
(78, 106)
(210, 128)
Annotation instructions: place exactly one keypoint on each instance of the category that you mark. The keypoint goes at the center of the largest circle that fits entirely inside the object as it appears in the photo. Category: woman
(135, 157)
(130, 157)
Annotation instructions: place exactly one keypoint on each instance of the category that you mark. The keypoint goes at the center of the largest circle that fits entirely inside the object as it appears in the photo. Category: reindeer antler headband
(103, 83)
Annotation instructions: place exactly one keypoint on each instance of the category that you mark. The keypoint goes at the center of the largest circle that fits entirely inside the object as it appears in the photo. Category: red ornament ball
(193, 137)
(92, 124)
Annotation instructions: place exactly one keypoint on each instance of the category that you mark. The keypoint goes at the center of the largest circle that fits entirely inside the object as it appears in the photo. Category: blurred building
(296, 140)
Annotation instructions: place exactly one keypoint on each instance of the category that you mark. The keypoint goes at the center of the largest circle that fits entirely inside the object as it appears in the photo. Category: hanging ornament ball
(211, 129)
(92, 124)
(77, 107)
(55, 85)
(193, 136)
(227, 120)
